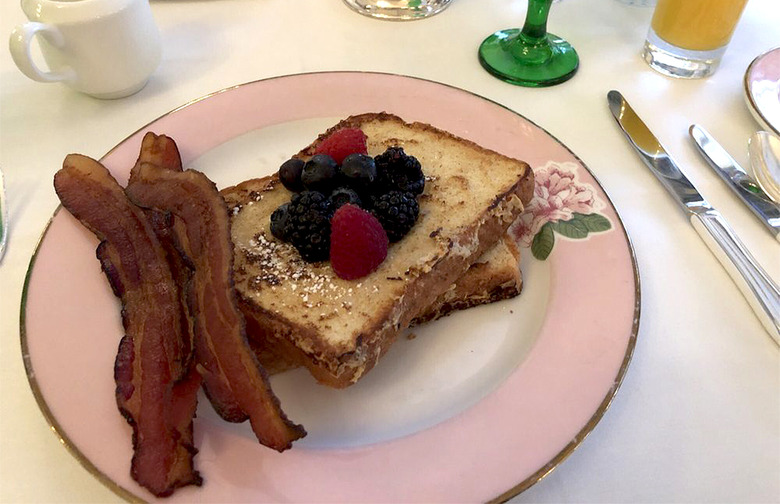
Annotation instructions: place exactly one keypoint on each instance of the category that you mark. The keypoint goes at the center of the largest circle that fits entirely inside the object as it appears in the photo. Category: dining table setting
(640, 361)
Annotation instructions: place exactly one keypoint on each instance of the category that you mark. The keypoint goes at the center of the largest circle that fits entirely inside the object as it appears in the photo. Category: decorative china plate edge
(54, 425)
(607, 401)
(751, 103)
(545, 470)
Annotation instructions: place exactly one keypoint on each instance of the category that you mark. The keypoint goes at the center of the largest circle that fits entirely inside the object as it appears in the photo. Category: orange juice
(698, 25)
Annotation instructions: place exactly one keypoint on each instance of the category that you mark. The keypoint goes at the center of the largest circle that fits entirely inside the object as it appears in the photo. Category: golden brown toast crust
(340, 348)
(493, 277)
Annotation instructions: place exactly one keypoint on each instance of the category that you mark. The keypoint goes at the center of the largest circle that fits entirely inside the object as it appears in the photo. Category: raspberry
(341, 143)
(358, 244)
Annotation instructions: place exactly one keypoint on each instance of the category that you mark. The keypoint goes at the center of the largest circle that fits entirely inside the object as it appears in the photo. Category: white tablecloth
(697, 418)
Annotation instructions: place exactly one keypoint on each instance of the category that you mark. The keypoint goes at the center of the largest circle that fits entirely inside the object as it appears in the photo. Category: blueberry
(280, 219)
(358, 171)
(290, 174)
(342, 196)
(319, 173)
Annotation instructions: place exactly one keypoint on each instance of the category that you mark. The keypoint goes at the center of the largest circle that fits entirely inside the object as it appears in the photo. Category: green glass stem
(535, 27)
(531, 56)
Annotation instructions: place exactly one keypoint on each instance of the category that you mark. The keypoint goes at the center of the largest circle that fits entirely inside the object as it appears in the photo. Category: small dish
(762, 90)
(764, 152)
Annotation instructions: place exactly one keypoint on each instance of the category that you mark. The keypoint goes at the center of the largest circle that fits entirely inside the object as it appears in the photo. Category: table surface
(697, 418)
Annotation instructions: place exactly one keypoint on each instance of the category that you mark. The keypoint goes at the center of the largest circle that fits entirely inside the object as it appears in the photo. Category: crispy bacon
(221, 348)
(159, 150)
(156, 391)
(162, 151)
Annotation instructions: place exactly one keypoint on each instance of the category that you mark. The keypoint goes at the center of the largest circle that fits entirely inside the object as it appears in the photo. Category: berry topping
(397, 212)
(319, 173)
(342, 143)
(358, 171)
(375, 199)
(358, 243)
(290, 174)
(308, 225)
(399, 171)
(342, 196)
(279, 222)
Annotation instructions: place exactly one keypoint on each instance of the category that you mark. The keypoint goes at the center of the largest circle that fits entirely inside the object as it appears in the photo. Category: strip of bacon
(155, 391)
(162, 151)
(159, 150)
(221, 346)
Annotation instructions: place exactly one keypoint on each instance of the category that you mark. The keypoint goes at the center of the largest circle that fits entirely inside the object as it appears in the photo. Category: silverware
(760, 291)
(738, 179)
(3, 217)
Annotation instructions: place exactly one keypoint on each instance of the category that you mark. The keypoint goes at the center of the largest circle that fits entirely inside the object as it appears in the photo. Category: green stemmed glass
(531, 56)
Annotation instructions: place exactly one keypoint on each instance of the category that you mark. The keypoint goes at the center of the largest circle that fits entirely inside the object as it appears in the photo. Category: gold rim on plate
(546, 469)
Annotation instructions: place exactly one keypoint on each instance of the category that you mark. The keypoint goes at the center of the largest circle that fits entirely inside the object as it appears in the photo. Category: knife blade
(737, 179)
(762, 294)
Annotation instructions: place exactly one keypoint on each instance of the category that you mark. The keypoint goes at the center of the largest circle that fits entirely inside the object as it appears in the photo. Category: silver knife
(760, 291)
(738, 179)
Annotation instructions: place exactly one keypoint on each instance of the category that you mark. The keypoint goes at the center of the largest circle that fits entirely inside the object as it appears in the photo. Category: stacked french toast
(456, 255)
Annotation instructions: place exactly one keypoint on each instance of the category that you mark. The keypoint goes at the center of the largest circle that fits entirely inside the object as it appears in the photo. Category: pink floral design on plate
(561, 205)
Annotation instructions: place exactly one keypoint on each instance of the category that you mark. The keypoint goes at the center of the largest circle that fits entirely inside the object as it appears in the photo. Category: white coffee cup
(104, 48)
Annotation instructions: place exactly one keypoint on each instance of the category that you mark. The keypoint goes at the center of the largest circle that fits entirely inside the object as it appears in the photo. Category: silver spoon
(764, 153)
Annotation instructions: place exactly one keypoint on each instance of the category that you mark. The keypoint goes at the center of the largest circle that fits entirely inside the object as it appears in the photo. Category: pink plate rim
(544, 467)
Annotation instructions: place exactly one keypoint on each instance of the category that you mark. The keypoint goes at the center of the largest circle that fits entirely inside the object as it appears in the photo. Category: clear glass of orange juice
(687, 38)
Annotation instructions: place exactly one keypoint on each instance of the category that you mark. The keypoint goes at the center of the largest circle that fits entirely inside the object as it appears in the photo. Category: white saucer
(762, 90)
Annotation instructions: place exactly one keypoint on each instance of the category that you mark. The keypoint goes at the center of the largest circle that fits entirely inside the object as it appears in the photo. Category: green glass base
(514, 59)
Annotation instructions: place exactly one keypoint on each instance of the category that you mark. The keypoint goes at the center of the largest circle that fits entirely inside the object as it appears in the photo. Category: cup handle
(19, 44)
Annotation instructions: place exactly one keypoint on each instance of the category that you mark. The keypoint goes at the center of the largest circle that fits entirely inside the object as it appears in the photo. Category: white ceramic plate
(480, 405)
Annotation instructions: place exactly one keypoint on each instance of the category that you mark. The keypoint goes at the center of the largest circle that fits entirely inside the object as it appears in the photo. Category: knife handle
(760, 291)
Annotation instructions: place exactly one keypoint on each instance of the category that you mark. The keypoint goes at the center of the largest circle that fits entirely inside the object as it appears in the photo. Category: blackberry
(398, 171)
(342, 196)
(397, 212)
(319, 173)
(280, 222)
(290, 174)
(308, 225)
(358, 171)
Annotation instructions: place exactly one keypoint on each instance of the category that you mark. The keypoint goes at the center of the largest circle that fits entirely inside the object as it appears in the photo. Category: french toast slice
(495, 276)
(337, 328)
